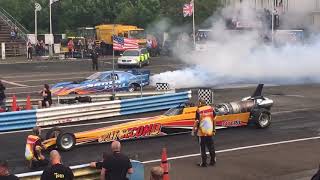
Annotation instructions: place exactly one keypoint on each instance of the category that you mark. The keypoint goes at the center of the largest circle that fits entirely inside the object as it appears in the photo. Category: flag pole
(193, 25)
(113, 93)
(35, 25)
(50, 14)
(272, 21)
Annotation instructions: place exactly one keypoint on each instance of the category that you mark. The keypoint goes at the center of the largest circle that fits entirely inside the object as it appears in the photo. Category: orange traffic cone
(164, 164)
(28, 105)
(14, 106)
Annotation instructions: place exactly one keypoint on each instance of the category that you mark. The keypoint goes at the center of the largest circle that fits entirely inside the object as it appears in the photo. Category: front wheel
(66, 141)
(132, 88)
(262, 118)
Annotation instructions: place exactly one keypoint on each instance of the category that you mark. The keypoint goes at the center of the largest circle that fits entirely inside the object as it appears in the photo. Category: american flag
(122, 44)
(188, 9)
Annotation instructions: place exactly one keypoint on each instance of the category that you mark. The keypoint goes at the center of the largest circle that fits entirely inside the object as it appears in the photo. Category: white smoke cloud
(234, 57)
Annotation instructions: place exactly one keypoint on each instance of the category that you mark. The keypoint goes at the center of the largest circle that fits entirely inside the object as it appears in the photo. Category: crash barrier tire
(84, 172)
(261, 117)
(82, 112)
(205, 95)
(18, 120)
(66, 141)
(162, 87)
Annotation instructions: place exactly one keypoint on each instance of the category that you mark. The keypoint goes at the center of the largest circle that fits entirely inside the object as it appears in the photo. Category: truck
(105, 32)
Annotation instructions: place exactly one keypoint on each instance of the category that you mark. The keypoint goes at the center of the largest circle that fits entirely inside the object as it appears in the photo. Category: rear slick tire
(262, 118)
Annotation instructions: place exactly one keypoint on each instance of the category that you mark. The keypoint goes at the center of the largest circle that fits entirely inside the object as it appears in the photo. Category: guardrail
(95, 97)
(17, 120)
(89, 111)
(82, 172)
(83, 112)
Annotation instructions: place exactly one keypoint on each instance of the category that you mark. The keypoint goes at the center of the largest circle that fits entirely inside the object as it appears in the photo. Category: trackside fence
(89, 111)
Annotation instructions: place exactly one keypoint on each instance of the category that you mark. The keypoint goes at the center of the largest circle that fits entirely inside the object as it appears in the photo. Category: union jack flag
(122, 44)
(188, 9)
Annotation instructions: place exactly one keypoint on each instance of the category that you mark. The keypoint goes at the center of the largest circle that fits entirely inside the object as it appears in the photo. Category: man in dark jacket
(94, 57)
(2, 96)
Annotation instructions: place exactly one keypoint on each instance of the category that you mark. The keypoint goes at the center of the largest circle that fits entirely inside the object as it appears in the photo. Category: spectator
(2, 96)
(47, 98)
(4, 172)
(117, 165)
(38, 48)
(42, 49)
(317, 175)
(34, 148)
(103, 47)
(57, 170)
(29, 51)
(156, 173)
(90, 45)
(94, 57)
(70, 47)
(12, 35)
(15, 29)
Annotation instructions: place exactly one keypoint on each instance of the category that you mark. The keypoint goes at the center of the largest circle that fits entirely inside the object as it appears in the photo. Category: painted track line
(238, 148)
(13, 83)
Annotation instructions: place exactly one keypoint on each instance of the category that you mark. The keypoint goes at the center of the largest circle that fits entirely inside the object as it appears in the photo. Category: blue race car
(103, 82)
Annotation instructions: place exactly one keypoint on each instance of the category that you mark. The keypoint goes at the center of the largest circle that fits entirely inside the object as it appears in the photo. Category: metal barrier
(82, 112)
(84, 172)
(89, 111)
(95, 97)
(17, 120)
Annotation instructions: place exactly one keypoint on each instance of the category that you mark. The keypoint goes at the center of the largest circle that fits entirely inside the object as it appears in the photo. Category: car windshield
(97, 75)
(173, 112)
(131, 53)
(138, 34)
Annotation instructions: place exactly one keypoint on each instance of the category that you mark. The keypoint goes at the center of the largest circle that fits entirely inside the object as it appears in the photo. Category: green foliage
(67, 15)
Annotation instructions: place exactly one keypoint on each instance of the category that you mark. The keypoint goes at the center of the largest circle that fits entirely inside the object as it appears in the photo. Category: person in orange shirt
(34, 148)
(204, 128)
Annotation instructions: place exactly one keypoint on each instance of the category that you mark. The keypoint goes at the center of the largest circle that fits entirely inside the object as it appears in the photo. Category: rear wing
(258, 91)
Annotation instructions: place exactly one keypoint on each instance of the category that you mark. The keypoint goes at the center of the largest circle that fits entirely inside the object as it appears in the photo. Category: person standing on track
(204, 128)
(94, 58)
(34, 148)
(2, 96)
(47, 98)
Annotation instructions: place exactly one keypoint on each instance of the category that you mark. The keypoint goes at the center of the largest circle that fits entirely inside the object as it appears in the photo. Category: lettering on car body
(231, 123)
(131, 133)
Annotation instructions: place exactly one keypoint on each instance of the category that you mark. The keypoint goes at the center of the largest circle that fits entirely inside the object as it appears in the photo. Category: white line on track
(13, 83)
(44, 74)
(55, 79)
(238, 148)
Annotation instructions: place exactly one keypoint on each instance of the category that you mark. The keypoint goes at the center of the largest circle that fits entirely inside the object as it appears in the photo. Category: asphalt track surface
(27, 78)
(296, 115)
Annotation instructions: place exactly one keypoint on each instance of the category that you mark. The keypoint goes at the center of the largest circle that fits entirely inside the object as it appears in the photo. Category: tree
(70, 14)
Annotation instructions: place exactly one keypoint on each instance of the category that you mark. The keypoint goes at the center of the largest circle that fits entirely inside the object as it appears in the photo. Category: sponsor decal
(131, 133)
(231, 123)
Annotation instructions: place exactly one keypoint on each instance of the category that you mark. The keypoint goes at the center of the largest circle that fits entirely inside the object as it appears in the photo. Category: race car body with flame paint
(251, 110)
